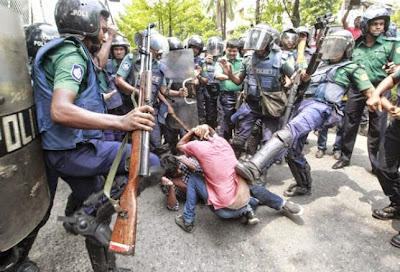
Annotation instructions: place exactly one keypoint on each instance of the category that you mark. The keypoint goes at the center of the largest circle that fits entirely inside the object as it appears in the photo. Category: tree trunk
(296, 14)
(257, 12)
(218, 17)
(224, 23)
(170, 21)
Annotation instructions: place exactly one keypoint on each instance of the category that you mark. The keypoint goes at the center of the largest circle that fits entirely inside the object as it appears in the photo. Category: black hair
(232, 43)
(170, 164)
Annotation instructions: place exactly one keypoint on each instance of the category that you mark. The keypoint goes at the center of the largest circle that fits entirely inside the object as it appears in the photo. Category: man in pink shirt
(356, 30)
(226, 193)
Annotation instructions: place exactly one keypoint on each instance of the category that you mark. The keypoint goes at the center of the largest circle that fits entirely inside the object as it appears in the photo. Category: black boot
(101, 259)
(396, 240)
(251, 170)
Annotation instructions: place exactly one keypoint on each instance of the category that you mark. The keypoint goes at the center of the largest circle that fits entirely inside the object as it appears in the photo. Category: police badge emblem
(77, 73)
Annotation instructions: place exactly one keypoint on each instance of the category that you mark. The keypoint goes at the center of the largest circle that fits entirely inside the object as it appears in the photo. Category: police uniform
(200, 89)
(127, 70)
(114, 103)
(372, 59)
(211, 95)
(319, 108)
(270, 71)
(389, 162)
(227, 98)
(78, 156)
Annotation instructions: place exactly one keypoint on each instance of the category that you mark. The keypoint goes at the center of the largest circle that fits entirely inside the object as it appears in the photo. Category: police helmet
(195, 40)
(372, 13)
(242, 41)
(338, 44)
(215, 46)
(261, 36)
(392, 30)
(289, 38)
(158, 42)
(174, 43)
(37, 35)
(80, 17)
(120, 41)
(304, 30)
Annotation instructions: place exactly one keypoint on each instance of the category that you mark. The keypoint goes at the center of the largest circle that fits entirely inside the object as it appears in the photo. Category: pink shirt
(218, 161)
(355, 32)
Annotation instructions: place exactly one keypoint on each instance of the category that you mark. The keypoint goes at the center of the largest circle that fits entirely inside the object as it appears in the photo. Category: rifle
(323, 24)
(124, 234)
(291, 97)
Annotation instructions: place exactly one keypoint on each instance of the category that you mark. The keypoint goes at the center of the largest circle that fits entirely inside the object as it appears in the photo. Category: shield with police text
(24, 193)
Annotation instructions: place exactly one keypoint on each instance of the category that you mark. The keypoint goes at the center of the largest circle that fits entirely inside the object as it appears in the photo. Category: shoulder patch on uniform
(126, 66)
(77, 72)
(364, 77)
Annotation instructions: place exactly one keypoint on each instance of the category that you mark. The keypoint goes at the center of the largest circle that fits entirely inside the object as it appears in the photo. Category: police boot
(396, 240)
(238, 145)
(302, 178)
(251, 170)
(72, 206)
(101, 259)
(255, 138)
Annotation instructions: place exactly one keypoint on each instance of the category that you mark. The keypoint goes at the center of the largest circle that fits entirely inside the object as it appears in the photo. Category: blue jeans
(262, 196)
(196, 187)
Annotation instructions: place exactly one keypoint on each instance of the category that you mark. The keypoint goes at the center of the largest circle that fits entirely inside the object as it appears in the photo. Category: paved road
(335, 233)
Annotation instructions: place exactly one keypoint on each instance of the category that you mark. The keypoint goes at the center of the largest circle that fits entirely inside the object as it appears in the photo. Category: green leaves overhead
(178, 18)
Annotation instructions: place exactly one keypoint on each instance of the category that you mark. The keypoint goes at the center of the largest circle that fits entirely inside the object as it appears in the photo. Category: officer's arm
(102, 55)
(125, 86)
(219, 73)
(63, 111)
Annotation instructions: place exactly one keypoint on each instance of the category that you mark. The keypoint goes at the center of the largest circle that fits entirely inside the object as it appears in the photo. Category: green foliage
(311, 9)
(178, 18)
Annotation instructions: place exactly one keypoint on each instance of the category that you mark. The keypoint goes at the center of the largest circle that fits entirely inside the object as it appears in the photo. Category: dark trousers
(227, 101)
(352, 118)
(389, 163)
(211, 104)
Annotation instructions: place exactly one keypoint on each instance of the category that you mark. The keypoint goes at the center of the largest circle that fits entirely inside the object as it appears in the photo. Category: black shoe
(248, 171)
(395, 240)
(25, 266)
(188, 227)
(386, 213)
(340, 164)
(296, 190)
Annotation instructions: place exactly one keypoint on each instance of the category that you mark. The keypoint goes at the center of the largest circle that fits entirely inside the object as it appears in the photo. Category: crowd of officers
(229, 81)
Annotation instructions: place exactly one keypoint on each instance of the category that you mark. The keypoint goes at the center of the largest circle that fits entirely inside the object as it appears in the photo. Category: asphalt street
(335, 233)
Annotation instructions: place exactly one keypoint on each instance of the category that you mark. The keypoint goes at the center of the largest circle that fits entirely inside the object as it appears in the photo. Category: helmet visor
(215, 48)
(257, 39)
(289, 39)
(334, 47)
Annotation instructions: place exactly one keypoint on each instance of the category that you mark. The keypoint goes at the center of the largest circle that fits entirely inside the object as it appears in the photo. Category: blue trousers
(323, 134)
(246, 124)
(227, 101)
(196, 188)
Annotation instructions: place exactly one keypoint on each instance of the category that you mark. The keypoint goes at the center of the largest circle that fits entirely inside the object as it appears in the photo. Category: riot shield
(179, 66)
(24, 194)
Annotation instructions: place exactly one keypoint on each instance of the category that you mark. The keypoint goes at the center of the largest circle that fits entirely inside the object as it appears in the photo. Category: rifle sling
(112, 173)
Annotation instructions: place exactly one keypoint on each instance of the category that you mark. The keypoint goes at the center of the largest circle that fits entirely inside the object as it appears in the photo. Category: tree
(221, 10)
(179, 18)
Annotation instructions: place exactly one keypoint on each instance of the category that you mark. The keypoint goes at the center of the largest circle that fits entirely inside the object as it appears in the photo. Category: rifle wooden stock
(124, 233)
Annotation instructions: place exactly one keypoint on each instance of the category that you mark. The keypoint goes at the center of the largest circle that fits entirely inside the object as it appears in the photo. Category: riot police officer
(37, 35)
(265, 69)
(71, 114)
(119, 103)
(320, 107)
(215, 48)
(196, 43)
(289, 39)
(372, 50)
